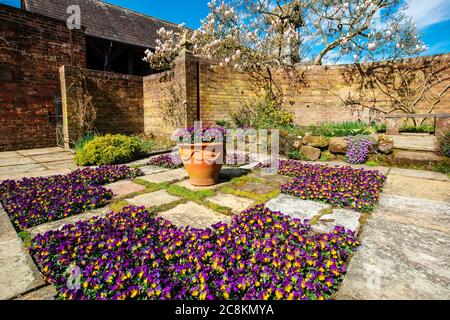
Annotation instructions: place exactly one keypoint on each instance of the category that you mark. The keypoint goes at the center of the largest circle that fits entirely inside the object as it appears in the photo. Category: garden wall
(314, 94)
(116, 98)
(318, 94)
(171, 98)
(32, 48)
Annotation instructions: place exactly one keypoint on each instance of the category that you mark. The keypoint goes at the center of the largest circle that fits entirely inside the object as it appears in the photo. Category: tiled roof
(104, 20)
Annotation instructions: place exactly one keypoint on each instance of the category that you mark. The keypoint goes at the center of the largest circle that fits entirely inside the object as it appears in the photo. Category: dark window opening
(117, 57)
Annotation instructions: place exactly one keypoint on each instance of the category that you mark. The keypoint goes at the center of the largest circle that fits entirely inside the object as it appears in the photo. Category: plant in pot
(203, 152)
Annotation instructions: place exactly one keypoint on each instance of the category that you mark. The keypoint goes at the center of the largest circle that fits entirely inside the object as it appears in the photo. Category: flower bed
(33, 201)
(174, 161)
(356, 189)
(169, 161)
(359, 148)
(132, 255)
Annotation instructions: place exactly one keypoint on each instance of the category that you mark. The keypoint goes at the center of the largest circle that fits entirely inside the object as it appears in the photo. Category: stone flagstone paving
(403, 253)
(18, 273)
(166, 176)
(153, 199)
(125, 187)
(235, 203)
(194, 215)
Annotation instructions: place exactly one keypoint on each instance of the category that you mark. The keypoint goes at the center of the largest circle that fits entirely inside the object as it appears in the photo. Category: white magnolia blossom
(256, 35)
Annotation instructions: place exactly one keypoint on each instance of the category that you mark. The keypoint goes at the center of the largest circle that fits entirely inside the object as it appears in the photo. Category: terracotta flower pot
(203, 161)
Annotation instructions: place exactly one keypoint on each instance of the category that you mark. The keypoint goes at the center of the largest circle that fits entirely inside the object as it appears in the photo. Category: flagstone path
(404, 242)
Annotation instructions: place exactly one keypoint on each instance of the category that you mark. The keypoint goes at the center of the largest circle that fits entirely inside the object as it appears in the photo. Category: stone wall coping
(100, 72)
(418, 115)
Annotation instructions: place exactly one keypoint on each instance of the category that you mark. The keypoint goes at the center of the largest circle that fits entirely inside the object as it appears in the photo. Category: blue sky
(432, 16)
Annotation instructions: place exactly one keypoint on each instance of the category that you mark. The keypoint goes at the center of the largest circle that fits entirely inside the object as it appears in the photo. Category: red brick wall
(117, 99)
(32, 48)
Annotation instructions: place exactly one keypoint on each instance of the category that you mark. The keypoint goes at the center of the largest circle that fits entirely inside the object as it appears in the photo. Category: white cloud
(428, 12)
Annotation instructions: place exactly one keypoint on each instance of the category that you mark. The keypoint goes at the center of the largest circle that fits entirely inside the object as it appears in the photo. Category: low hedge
(108, 149)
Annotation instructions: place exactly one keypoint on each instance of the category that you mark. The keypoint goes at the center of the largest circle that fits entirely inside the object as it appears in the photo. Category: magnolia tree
(259, 36)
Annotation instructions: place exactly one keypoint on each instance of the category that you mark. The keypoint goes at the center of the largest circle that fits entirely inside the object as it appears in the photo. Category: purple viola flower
(33, 201)
(133, 255)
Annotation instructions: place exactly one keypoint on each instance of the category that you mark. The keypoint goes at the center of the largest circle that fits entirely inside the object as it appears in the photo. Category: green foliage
(108, 149)
(223, 123)
(379, 128)
(326, 156)
(344, 129)
(296, 155)
(444, 144)
(266, 115)
(26, 238)
(83, 140)
(147, 145)
(419, 129)
(372, 163)
(189, 194)
(243, 117)
(270, 115)
(442, 166)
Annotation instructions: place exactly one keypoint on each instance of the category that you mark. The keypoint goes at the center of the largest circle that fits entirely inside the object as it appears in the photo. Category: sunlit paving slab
(64, 164)
(433, 215)
(45, 293)
(149, 169)
(398, 261)
(422, 174)
(153, 199)
(8, 154)
(53, 157)
(14, 161)
(295, 207)
(58, 224)
(340, 217)
(167, 176)
(33, 152)
(236, 204)
(123, 188)
(23, 168)
(417, 188)
(194, 215)
(18, 273)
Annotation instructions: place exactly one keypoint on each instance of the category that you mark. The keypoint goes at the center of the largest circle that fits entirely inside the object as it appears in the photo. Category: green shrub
(271, 115)
(268, 114)
(108, 149)
(83, 140)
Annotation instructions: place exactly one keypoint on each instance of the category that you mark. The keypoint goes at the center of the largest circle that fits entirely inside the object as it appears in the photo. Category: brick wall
(320, 94)
(32, 48)
(317, 94)
(117, 99)
(170, 98)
